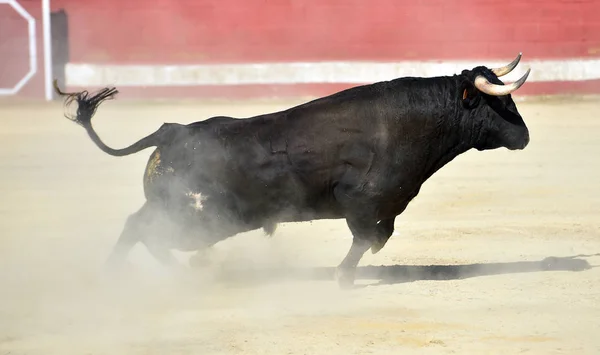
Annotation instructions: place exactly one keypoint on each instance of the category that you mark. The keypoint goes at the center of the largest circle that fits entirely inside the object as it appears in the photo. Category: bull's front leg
(364, 229)
(346, 271)
(385, 229)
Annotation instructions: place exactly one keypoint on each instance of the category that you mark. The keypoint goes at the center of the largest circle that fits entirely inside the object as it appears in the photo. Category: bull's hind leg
(159, 251)
(132, 233)
(148, 226)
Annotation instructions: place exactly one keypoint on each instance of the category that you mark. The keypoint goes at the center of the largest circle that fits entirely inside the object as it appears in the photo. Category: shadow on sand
(394, 274)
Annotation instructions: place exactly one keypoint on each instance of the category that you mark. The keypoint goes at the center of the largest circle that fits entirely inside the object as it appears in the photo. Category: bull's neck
(448, 133)
(445, 155)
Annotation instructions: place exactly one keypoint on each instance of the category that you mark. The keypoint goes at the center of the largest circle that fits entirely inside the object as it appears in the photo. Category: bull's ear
(470, 96)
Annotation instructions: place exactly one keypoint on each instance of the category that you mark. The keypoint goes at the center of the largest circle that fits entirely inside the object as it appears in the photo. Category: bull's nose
(518, 140)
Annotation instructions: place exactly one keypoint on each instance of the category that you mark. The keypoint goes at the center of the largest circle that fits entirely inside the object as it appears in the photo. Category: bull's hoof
(345, 278)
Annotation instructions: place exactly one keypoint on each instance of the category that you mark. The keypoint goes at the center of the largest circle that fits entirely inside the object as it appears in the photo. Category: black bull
(361, 154)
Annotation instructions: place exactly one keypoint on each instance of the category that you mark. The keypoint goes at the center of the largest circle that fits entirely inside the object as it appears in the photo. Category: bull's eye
(465, 94)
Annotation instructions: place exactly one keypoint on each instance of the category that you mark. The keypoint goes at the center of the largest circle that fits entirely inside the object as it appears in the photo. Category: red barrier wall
(215, 31)
(178, 32)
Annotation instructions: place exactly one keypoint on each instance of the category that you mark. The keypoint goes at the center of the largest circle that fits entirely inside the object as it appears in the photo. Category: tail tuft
(86, 104)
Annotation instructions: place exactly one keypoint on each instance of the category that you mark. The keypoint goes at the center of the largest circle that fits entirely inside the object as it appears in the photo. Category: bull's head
(487, 102)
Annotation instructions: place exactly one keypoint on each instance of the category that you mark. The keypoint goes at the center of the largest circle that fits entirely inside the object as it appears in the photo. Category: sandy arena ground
(486, 223)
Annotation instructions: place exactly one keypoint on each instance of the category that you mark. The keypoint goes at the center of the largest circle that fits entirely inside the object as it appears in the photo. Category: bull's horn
(485, 86)
(507, 68)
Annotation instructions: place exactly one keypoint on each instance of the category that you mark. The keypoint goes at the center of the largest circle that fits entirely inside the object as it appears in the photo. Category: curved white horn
(485, 86)
(507, 68)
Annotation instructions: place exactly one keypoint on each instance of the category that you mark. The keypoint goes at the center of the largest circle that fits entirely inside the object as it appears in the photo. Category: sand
(496, 255)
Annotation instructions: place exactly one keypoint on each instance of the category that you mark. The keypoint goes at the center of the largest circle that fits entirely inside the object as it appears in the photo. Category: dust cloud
(64, 211)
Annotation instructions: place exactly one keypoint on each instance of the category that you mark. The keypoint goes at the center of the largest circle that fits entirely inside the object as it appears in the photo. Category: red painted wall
(213, 31)
(217, 31)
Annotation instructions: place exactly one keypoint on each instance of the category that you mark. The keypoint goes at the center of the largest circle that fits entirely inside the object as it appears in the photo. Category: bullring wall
(259, 48)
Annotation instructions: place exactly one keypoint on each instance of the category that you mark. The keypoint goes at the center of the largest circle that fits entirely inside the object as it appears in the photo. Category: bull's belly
(201, 223)
(307, 214)
(201, 219)
(222, 212)
(209, 211)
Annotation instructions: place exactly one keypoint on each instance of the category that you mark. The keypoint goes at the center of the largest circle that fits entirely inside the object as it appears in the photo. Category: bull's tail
(86, 108)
